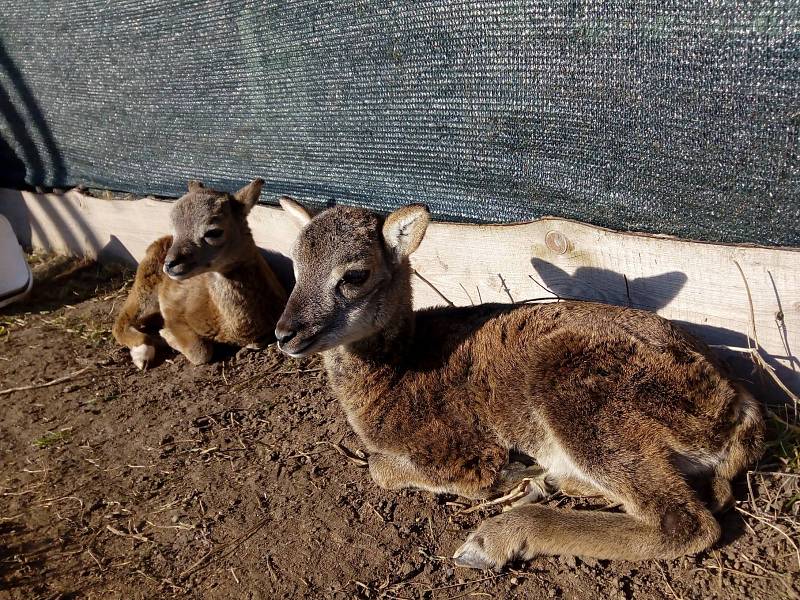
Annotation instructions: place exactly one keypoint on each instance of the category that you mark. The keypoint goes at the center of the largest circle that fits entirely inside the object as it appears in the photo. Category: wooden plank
(73, 223)
(696, 283)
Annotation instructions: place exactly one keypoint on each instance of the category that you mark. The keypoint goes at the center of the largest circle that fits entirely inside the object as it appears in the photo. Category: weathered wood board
(695, 283)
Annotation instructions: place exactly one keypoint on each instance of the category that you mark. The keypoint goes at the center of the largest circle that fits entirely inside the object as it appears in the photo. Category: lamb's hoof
(472, 554)
(142, 355)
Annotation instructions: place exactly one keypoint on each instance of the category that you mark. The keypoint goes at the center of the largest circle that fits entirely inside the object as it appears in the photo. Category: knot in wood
(557, 242)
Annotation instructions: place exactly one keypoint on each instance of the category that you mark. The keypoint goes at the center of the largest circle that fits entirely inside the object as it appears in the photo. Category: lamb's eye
(213, 234)
(355, 277)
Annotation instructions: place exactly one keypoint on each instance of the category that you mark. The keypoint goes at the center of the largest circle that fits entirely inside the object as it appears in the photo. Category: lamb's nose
(284, 336)
(172, 263)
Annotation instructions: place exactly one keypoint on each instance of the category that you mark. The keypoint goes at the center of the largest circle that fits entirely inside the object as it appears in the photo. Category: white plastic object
(16, 278)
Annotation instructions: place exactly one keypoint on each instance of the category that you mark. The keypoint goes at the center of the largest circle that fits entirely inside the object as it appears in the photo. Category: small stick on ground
(505, 288)
(160, 581)
(433, 287)
(46, 383)
(766, 522)
(775, 473)
(234, 546)
(14, 518)
(467, 293)
(519, 491)
(721, 570)
(457, 585)
(544, 287)
(380, 516)
(356, 457)
(95, 559)
(669, 585)
(271, 570)
(298, 371)
(136, 536)
(750, 302)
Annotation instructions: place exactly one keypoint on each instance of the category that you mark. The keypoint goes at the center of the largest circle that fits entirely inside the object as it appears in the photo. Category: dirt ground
(224, 481)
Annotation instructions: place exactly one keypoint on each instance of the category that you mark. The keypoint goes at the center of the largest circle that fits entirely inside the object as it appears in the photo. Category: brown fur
(218, 289)
(609, 400)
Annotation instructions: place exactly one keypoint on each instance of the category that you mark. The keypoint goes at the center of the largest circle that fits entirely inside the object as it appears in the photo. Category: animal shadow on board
(602, 285)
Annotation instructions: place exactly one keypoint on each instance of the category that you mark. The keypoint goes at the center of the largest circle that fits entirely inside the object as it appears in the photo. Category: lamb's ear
(295, 210)
(195, 185)
(404, 229)
(249, 194)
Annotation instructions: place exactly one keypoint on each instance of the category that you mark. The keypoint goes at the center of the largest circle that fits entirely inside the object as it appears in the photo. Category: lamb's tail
(141, 307)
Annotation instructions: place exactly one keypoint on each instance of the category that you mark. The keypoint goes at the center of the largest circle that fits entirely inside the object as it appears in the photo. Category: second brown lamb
(205, 284)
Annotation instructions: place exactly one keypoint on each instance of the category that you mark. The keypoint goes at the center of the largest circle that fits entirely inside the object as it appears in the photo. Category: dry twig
(46, 383)
(666, 580)
(766, 522)
(517, 493)
(434, 288)
(136, 536)
(233, 546)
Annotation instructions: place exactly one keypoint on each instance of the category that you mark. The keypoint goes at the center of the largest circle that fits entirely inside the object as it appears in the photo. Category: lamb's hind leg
(141, 306)
(746, 447)
(664, 519)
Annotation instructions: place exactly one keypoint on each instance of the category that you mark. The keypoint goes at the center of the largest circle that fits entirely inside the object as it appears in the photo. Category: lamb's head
(352, 273)
(209, 230)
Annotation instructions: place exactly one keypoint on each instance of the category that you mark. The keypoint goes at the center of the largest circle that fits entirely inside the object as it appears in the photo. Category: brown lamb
(609, 401)
(206, 283)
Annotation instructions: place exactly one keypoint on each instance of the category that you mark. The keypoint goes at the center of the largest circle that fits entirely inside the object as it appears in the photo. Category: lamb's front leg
(393, 472)
(475, 478)
(182, 338)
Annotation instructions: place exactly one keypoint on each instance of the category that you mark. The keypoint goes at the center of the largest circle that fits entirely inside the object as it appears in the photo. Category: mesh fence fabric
(661, 116)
